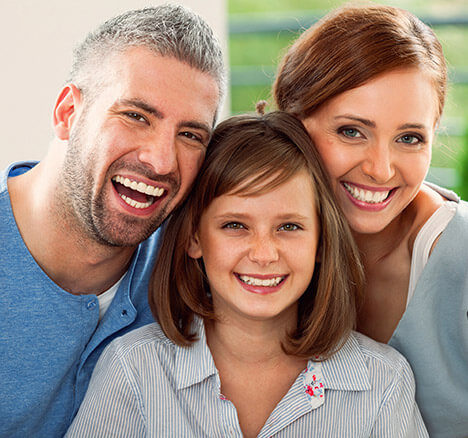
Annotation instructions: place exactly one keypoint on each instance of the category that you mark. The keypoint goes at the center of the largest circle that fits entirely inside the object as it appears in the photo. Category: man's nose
(160, 152)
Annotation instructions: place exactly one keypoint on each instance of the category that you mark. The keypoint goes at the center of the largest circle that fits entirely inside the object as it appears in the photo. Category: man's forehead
(139, 73)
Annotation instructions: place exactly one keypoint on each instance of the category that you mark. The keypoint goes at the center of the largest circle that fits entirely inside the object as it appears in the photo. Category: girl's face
(376, 142)
(259, 251)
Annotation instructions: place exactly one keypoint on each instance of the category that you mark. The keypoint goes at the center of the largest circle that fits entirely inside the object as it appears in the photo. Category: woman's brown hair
(349, 47)
(249, 155)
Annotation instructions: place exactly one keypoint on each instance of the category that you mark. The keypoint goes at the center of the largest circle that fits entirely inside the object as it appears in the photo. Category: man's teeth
(366, 195)
(270, 282)
(136, 204)
(139, 186)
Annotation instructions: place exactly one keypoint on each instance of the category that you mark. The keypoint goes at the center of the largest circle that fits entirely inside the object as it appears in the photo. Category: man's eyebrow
(198, 125)
(138, 103)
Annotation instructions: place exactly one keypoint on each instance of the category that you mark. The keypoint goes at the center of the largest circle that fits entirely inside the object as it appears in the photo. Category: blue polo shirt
(50, 340)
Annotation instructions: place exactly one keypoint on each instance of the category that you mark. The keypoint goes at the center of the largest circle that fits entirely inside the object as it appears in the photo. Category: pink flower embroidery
(313, 384)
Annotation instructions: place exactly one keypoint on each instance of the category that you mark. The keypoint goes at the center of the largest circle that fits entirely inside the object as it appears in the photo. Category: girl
(372, 106)
(255, 290)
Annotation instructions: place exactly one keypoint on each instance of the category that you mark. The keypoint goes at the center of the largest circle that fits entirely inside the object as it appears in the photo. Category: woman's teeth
(366, 195)
(270, 282)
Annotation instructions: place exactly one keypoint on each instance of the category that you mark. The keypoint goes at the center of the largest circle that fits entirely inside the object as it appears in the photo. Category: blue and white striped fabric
(145, 386)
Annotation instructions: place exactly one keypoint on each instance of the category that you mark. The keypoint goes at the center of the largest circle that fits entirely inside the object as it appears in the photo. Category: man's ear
(65, 110)
(194, 250)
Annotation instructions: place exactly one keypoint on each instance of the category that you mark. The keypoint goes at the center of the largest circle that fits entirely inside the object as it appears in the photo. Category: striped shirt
(146, 386)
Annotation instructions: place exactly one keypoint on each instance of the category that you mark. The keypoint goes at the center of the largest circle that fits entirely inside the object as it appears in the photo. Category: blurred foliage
(462, 188)
(263, 51)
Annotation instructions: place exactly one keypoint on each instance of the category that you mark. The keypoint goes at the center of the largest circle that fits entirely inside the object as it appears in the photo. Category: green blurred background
(261, 30)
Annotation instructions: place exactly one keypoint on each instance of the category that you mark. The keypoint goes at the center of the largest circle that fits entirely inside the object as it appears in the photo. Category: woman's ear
(194, 249)
(65, 111)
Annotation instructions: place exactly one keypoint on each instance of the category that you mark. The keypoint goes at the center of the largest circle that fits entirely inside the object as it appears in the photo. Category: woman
(369, 85)
(254, 289)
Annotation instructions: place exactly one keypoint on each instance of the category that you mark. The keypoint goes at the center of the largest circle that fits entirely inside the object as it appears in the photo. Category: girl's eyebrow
(243, 216)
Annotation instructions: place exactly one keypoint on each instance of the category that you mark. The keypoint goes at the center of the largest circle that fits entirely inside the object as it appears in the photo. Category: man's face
(135, 149)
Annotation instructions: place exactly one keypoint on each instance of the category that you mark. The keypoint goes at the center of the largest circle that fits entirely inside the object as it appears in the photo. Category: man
(131, 127)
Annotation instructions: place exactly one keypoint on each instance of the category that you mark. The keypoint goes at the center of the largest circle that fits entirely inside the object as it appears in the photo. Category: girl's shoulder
(374, 366)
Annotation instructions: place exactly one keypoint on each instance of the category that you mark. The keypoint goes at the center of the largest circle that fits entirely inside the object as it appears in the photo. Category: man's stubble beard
(82, 208)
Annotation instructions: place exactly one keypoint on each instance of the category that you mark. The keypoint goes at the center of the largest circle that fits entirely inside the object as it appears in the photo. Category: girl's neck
(248, 342)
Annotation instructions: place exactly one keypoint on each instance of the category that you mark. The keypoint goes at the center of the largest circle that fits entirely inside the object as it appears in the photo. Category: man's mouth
(369, 196)
(264, 282)
(137, 194)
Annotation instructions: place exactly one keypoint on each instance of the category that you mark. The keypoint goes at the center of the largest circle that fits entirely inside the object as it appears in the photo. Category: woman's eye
(233, 226)
(410, 139)
(350, 132)
(289, 227)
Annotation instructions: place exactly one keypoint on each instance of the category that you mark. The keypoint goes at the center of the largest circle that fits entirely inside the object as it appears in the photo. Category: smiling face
(135, 149)
(376, 141)
(259, 251)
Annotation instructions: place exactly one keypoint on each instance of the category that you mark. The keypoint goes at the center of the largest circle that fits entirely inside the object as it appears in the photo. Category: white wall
(36, 43)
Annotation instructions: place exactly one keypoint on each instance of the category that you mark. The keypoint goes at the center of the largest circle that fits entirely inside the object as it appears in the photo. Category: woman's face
(376, 141)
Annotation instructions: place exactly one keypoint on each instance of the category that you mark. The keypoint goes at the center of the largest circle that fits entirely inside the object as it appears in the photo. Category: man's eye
(192, 136)
(233, 226)
(289, 227)
(136, 116)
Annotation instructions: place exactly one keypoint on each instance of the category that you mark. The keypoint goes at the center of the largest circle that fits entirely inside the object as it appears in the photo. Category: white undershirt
(105, 299)
(425, 239)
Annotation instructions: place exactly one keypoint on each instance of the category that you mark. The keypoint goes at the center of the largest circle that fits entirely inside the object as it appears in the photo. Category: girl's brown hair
(249, 155)
(351, 46)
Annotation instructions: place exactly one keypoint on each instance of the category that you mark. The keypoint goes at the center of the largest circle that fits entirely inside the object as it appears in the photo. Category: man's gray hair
(168, 30)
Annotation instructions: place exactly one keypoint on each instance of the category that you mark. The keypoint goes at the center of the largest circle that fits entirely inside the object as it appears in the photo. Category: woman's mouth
(369, 196)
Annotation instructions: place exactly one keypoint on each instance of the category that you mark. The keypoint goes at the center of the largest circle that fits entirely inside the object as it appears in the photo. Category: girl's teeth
(261, 282)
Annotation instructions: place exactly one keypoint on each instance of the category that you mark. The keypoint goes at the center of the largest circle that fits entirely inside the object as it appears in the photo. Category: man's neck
(74, 262)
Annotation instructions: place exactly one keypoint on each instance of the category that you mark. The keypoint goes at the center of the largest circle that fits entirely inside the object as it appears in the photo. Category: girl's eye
(410, 139)
(288, 227)
(233, 226)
